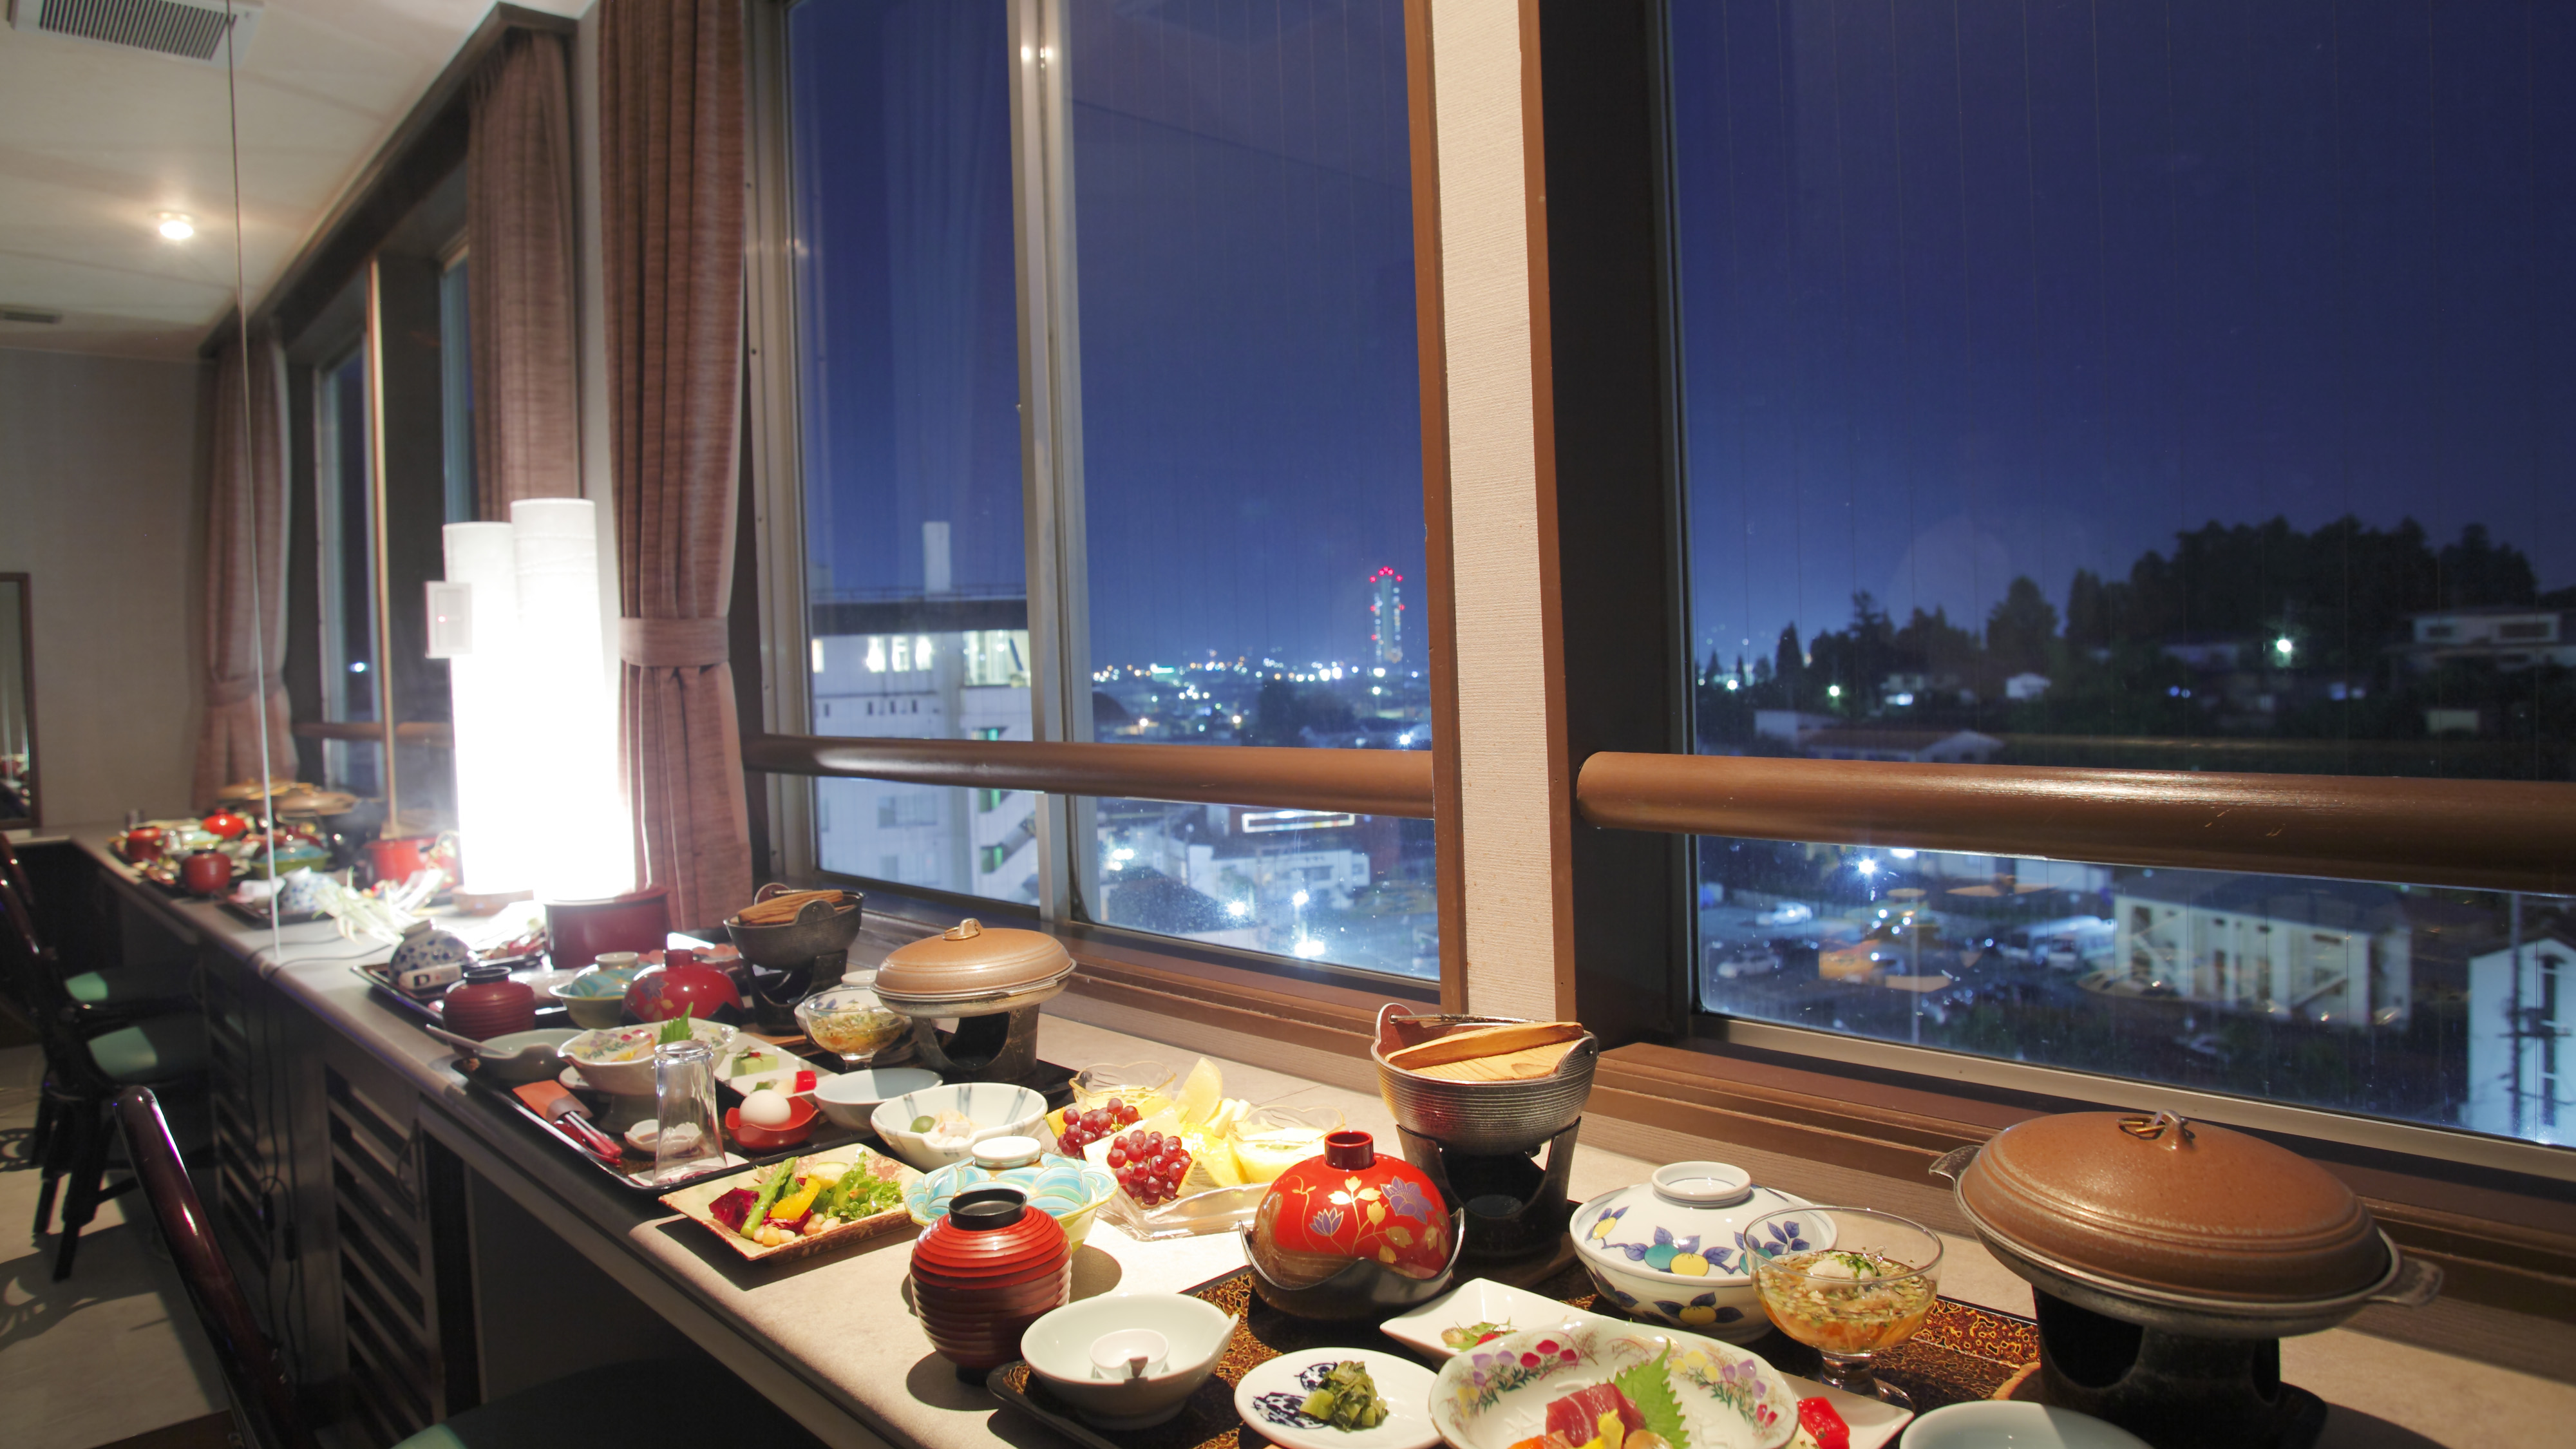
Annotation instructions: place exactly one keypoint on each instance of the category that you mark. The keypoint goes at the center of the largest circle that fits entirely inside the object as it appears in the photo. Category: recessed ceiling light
(176, 226)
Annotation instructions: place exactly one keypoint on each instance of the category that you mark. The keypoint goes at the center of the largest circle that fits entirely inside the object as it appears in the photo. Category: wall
(100, 501)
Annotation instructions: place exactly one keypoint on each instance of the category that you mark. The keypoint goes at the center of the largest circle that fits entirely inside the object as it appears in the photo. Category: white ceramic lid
(1684, 1223)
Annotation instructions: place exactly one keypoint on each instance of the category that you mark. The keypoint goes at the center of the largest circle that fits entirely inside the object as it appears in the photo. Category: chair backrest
(263, 1396)
(15, 873)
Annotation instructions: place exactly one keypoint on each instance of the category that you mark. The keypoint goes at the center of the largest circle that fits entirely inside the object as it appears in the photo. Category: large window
(1238, 474)
(345, 494)
(2178, 387)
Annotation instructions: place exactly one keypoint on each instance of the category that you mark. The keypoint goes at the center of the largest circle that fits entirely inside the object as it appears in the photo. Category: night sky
(1250, 424)
(1969, 290)
(1997, 287)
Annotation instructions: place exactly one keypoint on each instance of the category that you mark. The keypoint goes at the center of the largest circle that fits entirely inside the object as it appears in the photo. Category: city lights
(1868, 866)
(2283, 646)
(1308, 948)
(1833, 691)
(1238, 909)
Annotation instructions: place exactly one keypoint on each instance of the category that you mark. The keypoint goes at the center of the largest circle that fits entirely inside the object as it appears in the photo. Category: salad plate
(1270, 1393)
(702, 1202)
(1507, 1390)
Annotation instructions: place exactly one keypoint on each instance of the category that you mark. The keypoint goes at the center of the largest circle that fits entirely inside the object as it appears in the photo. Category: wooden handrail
(434, 733)
(1365, 782)
(2483, 834)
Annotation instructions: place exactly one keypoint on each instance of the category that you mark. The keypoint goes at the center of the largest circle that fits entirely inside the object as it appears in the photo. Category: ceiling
(97, 140)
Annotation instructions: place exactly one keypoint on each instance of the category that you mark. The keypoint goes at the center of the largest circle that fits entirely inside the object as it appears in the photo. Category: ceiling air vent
(188, 29)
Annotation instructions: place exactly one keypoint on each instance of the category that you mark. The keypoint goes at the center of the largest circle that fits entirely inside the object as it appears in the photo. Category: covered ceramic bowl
(1672, 1248)
(973, 970)
(1351, 1234)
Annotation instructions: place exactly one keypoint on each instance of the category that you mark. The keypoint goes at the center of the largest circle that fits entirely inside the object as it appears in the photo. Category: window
(2131, 388)
(345, 494)
(1238, 474)
(456, 388)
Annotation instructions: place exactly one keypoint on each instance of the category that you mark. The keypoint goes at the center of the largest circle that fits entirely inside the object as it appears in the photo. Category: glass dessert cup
(1850, 1283)
(850, 1021)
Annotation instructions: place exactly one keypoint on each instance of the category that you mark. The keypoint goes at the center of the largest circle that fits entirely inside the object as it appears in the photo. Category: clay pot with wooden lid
(2180, 1225)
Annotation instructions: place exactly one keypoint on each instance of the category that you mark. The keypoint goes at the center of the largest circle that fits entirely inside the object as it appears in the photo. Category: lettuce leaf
(1650, 1387)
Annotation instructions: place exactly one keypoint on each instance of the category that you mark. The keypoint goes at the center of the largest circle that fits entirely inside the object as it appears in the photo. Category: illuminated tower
(1386, 616)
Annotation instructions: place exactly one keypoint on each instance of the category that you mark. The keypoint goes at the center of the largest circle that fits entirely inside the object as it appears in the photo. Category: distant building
(1386, 617)
(1788, 725)
(2315, 950)
(2522, 1075)
(1917, 746)
(2506, 636)
(2026, 686)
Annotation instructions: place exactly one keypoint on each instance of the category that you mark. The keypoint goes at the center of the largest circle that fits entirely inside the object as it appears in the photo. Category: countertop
(831, 1339)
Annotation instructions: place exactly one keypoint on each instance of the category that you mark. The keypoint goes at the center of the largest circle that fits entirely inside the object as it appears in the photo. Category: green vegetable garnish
(783, 1178)
(924, 1124)
(1347, 1399)
(674, 1029)
(1649, 1386)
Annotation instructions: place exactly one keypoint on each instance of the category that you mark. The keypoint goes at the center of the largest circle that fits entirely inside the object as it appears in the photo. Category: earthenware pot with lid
(1672, 1247)
(991, 982)
(973, 969)
(2181, 1226)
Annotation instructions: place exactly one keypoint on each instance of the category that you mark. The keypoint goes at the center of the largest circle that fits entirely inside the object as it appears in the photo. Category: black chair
(127, 990)
(92, 1051)
(713, 1409)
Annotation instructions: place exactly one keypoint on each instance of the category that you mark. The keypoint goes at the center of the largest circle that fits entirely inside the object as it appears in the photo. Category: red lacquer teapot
(1351, 1205)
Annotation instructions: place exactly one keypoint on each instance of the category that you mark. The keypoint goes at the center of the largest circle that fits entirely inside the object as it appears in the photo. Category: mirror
(19, 809)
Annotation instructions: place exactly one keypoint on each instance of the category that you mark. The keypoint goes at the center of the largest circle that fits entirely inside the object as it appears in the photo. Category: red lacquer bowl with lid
(1351, 1234)
(985, 1272)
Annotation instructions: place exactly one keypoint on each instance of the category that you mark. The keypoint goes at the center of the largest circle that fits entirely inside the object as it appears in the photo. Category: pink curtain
(519, 250)
(245, 612)
(671, 163)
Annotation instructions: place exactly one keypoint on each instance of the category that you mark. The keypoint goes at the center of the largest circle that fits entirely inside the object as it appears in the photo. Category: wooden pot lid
(2175, 1206)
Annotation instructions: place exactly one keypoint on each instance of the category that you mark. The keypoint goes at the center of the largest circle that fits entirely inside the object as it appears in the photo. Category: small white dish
(778, 1071)
(1476, 1305)
(1990, 1424)
(851, 1097)
(1269, 1395)
(1059, 1346)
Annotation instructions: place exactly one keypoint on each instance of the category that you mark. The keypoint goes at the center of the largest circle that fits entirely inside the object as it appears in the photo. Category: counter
(830, 1340)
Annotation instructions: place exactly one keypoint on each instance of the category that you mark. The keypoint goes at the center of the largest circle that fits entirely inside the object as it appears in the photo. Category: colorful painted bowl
(1350, 1208)
(1670, 1248)
(1496, 1394)
(596, 998)
(631, 1073)
(1071, 1191)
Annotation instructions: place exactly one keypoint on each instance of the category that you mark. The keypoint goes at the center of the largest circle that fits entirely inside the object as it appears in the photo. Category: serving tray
(632, 1175)
(1963, 1352)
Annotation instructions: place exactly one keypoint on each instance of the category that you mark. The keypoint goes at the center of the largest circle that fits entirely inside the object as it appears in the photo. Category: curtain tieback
(672, 643)
(225, 690)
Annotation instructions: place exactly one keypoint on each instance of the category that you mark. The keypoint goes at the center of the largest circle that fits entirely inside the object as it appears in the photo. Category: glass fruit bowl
(1850, 1283)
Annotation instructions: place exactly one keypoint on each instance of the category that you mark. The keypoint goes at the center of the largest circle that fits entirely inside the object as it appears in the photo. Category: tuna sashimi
(1578, 1415)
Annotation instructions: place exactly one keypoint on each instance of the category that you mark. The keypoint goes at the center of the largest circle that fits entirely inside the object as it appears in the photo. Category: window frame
(1066, 768)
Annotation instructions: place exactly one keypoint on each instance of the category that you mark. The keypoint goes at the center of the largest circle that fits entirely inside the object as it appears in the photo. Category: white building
(2520, 1082)
(2316, 950)
(920, 681)
(2509, 637)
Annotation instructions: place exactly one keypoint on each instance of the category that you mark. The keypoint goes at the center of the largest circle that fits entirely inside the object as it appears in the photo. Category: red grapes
(1081, 1129)
(1149, 1166)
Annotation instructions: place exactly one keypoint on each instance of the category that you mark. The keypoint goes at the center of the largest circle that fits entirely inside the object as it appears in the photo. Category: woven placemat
(1963, 1352)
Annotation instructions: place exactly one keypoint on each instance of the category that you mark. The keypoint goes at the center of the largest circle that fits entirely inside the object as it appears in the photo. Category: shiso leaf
(1649, 1386)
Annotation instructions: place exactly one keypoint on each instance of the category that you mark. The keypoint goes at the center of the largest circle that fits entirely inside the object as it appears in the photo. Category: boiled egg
(766, 1108)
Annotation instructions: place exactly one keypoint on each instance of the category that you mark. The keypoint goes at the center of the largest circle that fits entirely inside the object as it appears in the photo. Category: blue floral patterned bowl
(1672, 1248)
(1496, 1394)
(1071, 1192)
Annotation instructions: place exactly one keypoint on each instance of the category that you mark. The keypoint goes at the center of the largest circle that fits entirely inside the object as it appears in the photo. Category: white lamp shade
(566, 729)
(484, 685)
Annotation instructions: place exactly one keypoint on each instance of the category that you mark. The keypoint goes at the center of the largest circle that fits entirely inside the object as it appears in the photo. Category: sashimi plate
(1497, 1394)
